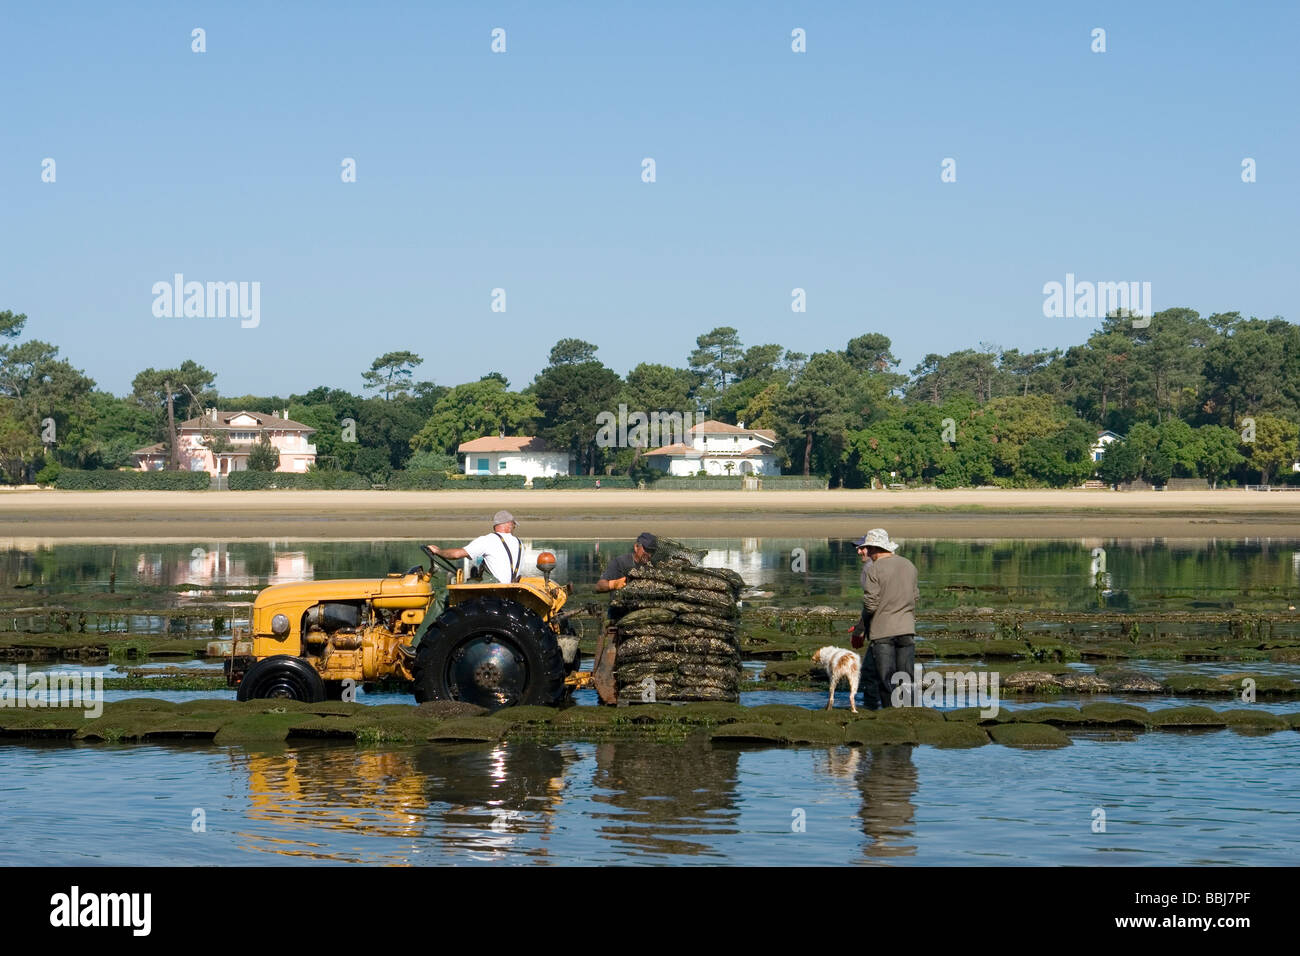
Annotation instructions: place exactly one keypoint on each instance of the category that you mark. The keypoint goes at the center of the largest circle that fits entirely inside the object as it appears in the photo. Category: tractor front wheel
(282, 676)
(490, 652)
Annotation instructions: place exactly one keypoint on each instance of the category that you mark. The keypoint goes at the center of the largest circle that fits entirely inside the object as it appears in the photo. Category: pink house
(243, 430)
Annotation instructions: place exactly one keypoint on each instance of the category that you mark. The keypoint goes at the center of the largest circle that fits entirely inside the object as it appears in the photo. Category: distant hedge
(467, 482)
(794, 482)
(417, 479)
(72, 479)
(585, 481)
(697, 483)
(323, 479)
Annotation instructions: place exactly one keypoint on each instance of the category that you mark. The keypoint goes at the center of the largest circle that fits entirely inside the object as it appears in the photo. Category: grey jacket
(891, 596)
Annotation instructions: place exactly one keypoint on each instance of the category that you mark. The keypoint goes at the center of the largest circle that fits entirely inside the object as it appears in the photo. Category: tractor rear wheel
(282, 676)
(489, 652)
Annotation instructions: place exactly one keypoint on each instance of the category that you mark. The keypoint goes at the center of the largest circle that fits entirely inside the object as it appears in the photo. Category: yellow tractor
(494, 644)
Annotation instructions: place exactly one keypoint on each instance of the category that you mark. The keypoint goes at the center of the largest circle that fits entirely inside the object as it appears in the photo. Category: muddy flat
(33, 515)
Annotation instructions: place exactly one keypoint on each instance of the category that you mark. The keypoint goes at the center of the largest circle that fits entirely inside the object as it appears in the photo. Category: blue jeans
(894, 655)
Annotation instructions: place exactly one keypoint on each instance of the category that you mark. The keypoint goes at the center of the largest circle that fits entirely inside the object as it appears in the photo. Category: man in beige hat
(890, 599)
(499, 550)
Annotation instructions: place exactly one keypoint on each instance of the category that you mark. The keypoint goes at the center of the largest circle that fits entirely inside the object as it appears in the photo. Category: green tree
(168, 393)
(570, 397)
(1274, 448)
(103, 430)
(572, 352)
(872, 352)
(469, 411)
(263, 456)
(392, 372)
(715, 360)
(1218, 452)
(11, 324)
(818, 402)
(19, 446)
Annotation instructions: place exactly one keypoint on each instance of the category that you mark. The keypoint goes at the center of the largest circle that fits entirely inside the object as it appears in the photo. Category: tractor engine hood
(407, 591)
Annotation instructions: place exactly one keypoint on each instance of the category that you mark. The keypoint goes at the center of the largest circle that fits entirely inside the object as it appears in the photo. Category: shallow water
(1169, 798)
(1059, 575)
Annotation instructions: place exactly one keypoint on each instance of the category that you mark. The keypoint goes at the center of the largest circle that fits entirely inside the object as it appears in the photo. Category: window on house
(483, 466)
(501, 465)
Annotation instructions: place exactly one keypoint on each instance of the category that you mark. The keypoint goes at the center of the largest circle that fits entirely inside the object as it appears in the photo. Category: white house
(519, 455)
(1099, 446)
(717, 448)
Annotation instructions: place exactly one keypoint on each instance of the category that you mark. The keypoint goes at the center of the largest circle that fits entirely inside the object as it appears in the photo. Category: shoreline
(160, 516)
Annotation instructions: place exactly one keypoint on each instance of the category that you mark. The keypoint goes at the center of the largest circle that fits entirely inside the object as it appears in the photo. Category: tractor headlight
(280, 625)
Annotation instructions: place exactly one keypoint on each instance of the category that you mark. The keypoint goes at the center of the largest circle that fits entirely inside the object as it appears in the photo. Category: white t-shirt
(499, 559)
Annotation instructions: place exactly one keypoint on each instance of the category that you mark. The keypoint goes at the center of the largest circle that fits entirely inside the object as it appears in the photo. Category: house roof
(676, 449)
(714, 427)
(155, 449)
(222, 420)
(507, 443)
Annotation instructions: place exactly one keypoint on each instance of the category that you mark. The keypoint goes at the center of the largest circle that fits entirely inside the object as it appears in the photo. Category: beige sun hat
(879, 538)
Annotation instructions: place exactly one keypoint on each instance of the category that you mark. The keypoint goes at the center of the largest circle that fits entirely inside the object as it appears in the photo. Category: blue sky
(522, 171)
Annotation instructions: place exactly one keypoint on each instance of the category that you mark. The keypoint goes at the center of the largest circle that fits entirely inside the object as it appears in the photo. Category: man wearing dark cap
(499, 550)
(615, 576)
(614, 579)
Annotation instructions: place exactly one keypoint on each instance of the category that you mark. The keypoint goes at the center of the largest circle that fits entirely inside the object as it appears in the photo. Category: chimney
(741, 425)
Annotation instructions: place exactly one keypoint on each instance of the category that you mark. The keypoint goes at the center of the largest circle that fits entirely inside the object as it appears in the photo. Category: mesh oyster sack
(677, 629)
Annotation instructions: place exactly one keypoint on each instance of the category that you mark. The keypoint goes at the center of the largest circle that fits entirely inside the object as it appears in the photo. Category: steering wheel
(434, 555)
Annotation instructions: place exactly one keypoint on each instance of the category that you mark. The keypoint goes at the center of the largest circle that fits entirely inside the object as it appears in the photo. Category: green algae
(909, 715)
(469, 730)
(1114, 715)
(1254, 721)
(812, 732)
(170, 682)
(757, 733)
(1028, 736)
(525, 714)
(1058, 716)
(1192, 716)
(1005, 648)
(974, 716)
(873, 732)
(951, 735)
(777, 712)
(949, 648)
(257, 728)
(229, 722)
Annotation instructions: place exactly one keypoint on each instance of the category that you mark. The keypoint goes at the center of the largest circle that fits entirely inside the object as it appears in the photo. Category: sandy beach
(34, 515)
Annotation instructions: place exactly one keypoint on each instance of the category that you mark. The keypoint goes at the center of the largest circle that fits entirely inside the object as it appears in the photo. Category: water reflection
(661, 795)
(303, 791)
(1155, 574)
(490, 802)
(887, 781)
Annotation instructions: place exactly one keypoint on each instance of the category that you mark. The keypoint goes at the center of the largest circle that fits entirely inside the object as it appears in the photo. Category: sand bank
(35, 515)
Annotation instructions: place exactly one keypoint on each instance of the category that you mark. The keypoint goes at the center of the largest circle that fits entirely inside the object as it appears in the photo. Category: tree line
(1213, 397)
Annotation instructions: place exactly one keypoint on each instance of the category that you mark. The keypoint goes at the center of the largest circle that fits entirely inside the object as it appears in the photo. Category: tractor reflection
(409, 806)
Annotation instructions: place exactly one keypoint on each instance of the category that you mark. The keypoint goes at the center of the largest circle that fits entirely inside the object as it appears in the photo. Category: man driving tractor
(499, 551)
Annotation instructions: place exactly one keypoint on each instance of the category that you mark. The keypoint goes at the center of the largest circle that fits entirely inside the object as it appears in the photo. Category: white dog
(840, 664)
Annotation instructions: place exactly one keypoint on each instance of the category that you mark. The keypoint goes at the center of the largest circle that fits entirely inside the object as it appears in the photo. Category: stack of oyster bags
(677, 630)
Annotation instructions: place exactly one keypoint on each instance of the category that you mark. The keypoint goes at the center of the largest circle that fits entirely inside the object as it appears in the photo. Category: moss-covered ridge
(274, 722)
